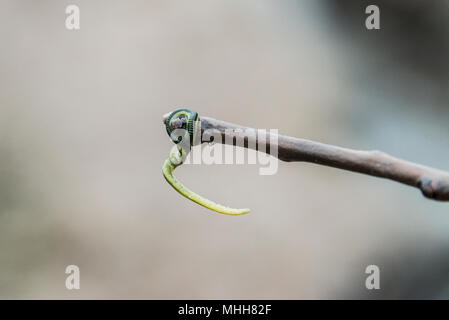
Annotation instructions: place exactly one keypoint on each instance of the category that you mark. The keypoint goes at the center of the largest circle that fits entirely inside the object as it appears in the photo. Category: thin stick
(433, 183)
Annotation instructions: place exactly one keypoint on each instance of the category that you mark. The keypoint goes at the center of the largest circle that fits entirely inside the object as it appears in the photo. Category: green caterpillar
(183, 128)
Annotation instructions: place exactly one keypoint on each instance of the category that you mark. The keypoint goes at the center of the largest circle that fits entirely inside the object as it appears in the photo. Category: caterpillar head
(183, 128)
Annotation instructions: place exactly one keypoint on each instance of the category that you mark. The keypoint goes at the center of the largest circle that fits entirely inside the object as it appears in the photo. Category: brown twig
(433, 183)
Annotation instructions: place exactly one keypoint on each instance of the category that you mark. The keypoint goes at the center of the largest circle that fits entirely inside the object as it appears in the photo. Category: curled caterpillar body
(183, 128)
(167, 170)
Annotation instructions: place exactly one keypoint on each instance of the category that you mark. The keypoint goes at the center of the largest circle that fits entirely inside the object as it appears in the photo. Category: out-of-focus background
(82, 145)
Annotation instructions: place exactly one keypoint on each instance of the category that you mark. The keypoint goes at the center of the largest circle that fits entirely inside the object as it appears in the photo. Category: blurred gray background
(82, 145)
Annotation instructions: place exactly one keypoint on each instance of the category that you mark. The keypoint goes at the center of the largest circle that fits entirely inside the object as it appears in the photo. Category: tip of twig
(436, 188)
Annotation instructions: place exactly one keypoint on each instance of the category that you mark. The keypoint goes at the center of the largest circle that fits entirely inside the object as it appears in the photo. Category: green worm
(182, 126)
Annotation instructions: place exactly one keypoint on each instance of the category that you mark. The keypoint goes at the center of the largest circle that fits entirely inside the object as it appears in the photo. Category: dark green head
(182, 126)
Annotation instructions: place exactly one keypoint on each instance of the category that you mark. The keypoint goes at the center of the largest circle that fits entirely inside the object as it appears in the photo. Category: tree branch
(433, 183)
